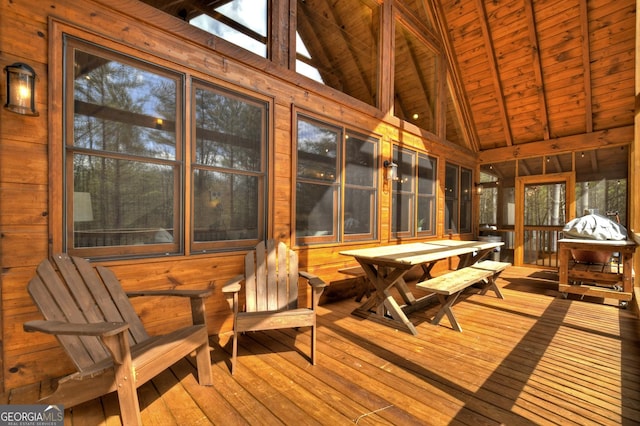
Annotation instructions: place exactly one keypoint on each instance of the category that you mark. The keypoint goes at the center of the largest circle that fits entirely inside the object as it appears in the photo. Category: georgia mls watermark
(31, 415)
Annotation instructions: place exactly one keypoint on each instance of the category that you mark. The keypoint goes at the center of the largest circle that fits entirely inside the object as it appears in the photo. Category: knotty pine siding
(30, 204)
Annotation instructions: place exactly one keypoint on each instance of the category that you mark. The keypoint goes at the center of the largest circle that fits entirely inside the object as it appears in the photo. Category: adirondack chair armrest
(66, 328)
(313, 280)
(193, 294)
(196, 296)
(233, 284)
(231, 289)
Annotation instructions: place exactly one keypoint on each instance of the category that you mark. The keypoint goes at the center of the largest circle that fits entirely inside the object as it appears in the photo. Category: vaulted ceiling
(528, 71)
(539, 70)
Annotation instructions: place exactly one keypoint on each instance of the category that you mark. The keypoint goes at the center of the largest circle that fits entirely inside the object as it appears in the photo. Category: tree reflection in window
(330, 157)
(123, 148)
(228, 173)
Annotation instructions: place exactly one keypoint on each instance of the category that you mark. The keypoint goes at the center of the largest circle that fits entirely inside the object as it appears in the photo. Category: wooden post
(634, 163)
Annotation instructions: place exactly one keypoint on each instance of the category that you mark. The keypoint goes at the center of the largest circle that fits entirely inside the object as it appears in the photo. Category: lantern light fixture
(392, 170)
(21, 88)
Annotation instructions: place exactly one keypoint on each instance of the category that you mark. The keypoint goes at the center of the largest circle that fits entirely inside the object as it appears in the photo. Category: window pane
(225, 206)
(315, 210)
(415, 80)
(120, 202)
(426, 215)
(426, 175)
(360, 186)
(338, 43)
(360, 161)
(322, 214)
(241, 22)
(451, 199)
(402, 208)
(229, 131)
(406, 161)
(427, 172)
(359, 211)
(403, 213)
(122, 154)
(230, 172)
(317, 151)
(465, 199)
(122, 108)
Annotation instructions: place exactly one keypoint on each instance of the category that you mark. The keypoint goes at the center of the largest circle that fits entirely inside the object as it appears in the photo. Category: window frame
(69, 151)
(414, 194)
(339, 184)
(372, 232)
(261, 175)
(61, 217)
(462, 198)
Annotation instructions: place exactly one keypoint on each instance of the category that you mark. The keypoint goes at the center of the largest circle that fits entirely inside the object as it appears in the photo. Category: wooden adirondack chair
(91, 316)
(271, 294)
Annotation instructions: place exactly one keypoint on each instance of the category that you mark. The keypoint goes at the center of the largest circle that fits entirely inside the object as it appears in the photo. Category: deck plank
(533, 358)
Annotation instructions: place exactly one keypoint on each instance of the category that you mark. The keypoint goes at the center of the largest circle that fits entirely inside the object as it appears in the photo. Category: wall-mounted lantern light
(392, 170)
(479, 188)
(21, 89)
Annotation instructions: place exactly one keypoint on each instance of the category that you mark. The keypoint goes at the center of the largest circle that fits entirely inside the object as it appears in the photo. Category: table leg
(426, 270)
(382, 306)
(470, 259)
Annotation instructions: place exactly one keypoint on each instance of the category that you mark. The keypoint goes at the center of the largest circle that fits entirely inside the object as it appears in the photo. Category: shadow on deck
(533, 358)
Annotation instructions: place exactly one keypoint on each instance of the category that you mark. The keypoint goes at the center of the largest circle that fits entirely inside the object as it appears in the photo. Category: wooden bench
(449, 286)
(364, 287)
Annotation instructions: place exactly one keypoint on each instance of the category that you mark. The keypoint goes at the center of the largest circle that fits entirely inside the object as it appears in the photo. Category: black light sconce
(21, 89)
(479, 188)
(392, 170)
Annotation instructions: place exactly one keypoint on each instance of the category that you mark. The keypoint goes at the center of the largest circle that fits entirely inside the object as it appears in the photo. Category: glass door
(543, 204)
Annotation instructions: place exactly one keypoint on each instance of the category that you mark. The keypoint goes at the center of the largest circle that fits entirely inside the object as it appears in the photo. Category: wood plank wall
(30, 211)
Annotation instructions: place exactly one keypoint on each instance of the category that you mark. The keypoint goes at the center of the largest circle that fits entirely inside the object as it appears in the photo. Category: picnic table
(386, 266)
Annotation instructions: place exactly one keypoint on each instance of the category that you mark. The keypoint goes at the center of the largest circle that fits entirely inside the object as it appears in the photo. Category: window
(415, 79)
(413, 210)
(127, 165)
(360, 193)
(458, 188)
(337, 45)
(328, 159)
(241, 22)
(228, 168)
(123, 154)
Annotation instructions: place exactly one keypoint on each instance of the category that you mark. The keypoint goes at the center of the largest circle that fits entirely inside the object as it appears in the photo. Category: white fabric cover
(595, 227)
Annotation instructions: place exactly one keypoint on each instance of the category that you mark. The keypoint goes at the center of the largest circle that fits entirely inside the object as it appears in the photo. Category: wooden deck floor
(533, 358)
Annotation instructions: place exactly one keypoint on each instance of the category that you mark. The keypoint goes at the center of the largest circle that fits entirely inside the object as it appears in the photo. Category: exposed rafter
(495, 72)
(537, 68)
(586, 63)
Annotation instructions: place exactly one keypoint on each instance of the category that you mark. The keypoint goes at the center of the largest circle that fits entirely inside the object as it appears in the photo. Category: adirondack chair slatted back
(69, 289)
(271, 274)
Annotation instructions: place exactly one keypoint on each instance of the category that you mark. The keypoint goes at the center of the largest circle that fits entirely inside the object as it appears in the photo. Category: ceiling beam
(586, 141)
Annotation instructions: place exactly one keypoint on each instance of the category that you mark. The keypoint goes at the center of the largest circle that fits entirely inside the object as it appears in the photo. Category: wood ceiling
(530, 72)
(539, 70)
